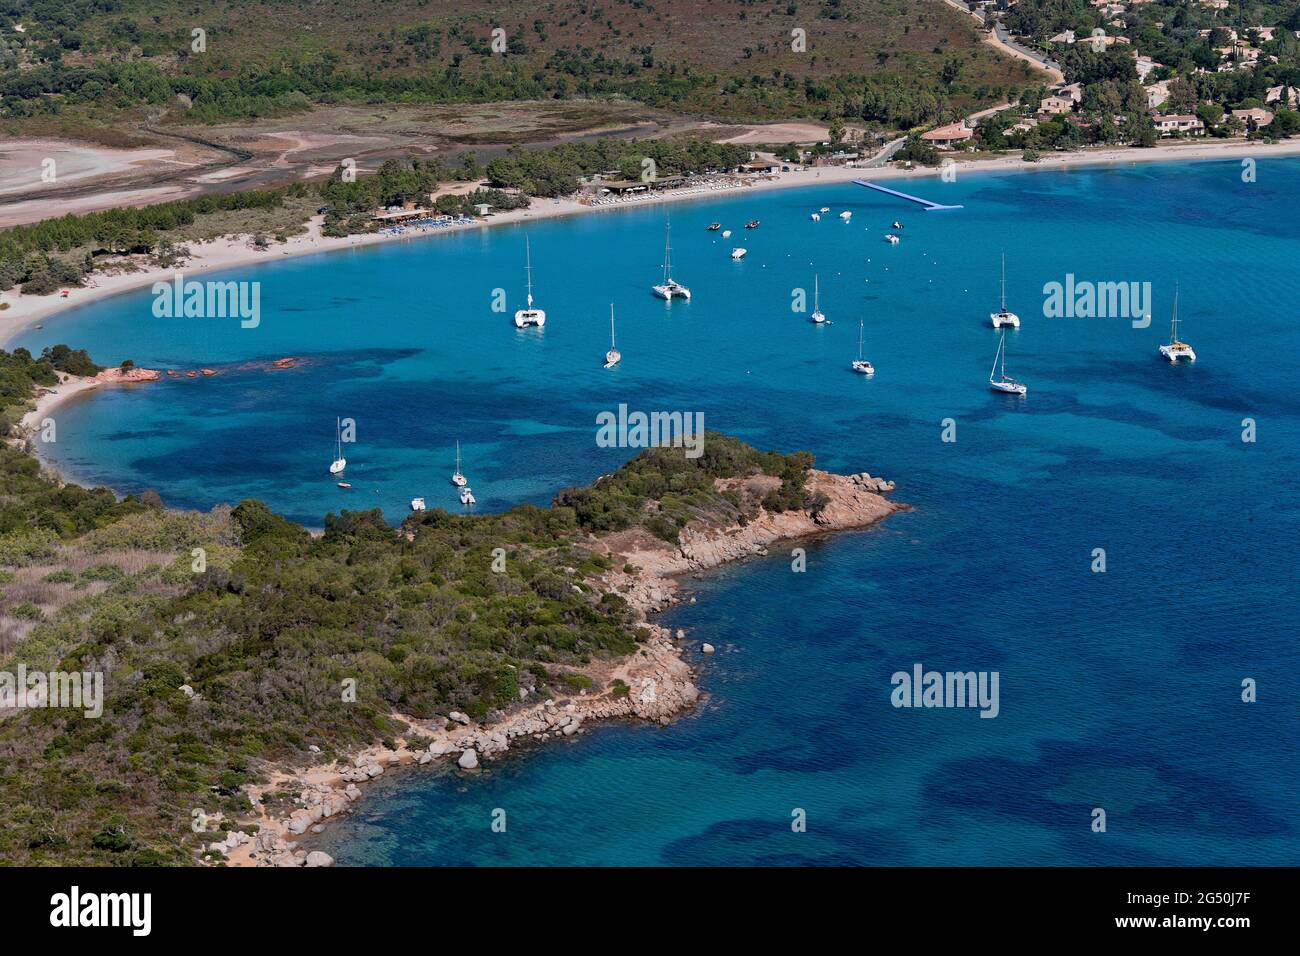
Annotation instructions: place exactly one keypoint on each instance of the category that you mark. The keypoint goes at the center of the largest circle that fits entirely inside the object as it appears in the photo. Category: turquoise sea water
(1118, 690)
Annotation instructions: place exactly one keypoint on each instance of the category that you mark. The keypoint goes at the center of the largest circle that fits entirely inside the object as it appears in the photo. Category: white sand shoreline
(229, 252)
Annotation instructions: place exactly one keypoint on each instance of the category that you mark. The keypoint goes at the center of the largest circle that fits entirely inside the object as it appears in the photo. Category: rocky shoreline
(654, 684)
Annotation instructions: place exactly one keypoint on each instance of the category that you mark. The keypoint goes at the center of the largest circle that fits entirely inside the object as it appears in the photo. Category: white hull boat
(861, 365)
(1004, 384)
(613, 356)
(738, 253)
(529, 316)
(670, 288)
(1002, 317)
(457, 479)
(417, 504)
(1176, 350)
(339, 463)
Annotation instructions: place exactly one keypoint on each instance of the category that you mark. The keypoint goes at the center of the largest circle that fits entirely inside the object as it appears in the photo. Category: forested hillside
(893, 61)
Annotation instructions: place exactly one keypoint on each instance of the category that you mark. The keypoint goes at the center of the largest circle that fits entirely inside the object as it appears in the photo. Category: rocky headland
(654, 684)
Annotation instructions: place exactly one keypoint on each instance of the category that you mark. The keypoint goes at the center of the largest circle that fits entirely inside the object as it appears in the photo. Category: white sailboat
(1176, 350)
(861, 365)
(613, 356)
(670, 287)
(457, 479)
(1002, 317)
(339, 462)
(817, 316)
(1002, 383)
(529, 316)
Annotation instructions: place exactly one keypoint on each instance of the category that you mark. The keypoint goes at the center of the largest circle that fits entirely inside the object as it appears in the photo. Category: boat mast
(528, 268)
(338, 438)
(668, 248)
(1173, 322)
(860, 321)
(611, 326)
(458, 456)
(816, 293)
(1004, 282)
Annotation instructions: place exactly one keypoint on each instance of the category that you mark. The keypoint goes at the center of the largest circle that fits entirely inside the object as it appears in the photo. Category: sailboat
(817, 316)
(670, 287)
(1176, 350)
(457, 479)
(861, 365)
(1002, 317)
(1004, 384)
(613, 356)
(529, 316)
(339, 462)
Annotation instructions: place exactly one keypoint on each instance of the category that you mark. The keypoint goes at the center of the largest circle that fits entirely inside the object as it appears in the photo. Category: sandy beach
(230, 252)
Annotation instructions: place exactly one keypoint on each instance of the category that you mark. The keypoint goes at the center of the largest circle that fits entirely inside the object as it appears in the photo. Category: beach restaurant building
(948, 136)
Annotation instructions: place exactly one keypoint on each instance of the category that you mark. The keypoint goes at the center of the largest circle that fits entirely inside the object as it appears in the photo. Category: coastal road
(1003, 40)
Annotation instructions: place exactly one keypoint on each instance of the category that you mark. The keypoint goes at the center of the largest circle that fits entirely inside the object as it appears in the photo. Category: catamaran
(816, 217)
(670, 287)
(613, 356)
(1004, 384)
(457, 479)
(891, 239)
(739, 252)
(817, 316)
(417, 504)
(861, 365)
(467, 496)
(529, 316)
(1002, 317)
(339, 462)
(846, 215)
(1176, 350)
